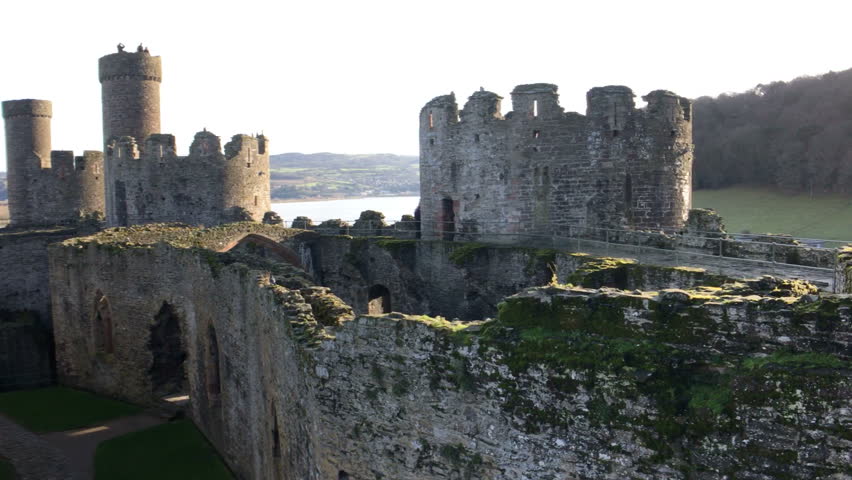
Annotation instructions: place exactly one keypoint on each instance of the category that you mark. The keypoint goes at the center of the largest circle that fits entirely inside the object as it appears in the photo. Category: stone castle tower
(541, 170)
(145, 179)
(47, 187)
(140, 179)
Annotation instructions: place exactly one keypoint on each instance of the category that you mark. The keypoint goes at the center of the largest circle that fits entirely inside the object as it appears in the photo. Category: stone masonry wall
(208, 187)
(540, 170)
(26, 340)
(47, 187)
(468, 280)
(565, 383)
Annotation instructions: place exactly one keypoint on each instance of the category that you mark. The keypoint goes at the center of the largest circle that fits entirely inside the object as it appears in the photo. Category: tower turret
(27, 152)
(536, 100)
(130, 92)
(610, 108)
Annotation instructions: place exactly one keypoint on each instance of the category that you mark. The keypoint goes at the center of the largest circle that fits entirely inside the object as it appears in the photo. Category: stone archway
(167, 372)
(102, 324)
(266, 247)
(212, 368)
(379, 300)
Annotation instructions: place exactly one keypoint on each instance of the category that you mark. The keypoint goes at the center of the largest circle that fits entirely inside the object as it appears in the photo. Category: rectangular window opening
(535, 108)
(614, 133)
(476, 138)
(431, 121)
(536, 133)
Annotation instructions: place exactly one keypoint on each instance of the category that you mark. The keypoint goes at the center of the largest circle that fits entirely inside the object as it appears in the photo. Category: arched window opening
(167, 373)
(447, 223)
(342, 475)
(214, 379)
(628, 191)
(379, 300)
(276, 436)
(103, 324)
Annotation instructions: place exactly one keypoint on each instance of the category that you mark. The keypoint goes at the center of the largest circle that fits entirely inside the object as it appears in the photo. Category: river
(349, 209)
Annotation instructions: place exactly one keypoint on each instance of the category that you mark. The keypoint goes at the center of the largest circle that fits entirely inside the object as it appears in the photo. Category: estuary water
(348, 209)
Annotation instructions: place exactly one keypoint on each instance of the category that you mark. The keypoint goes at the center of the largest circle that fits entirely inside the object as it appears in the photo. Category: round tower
(27, 152)
(667, 162)
(130, 92)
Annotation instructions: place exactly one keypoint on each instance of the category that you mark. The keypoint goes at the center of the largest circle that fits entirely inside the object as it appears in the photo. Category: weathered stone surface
(705, 382)
(541, 171)
(47, 187)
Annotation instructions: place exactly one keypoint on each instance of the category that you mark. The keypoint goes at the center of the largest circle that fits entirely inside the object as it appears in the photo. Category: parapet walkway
(732, 267)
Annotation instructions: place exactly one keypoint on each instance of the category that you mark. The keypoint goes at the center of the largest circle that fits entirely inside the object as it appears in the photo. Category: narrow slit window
(255, 200)
(614, 133)
(431, 120)
(476, 138)
(431, 141)
(536, 133)
(535, 108)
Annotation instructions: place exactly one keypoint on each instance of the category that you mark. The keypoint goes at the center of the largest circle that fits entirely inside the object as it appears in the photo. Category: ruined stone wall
(540, 170)
(469, 280)
(47, 187)
(565, 383)
(253, 374)
(26, 341)
(207, 187)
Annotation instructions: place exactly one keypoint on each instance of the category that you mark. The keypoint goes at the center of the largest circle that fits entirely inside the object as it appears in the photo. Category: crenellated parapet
(539, 169)
(47, 187)
(208, 186)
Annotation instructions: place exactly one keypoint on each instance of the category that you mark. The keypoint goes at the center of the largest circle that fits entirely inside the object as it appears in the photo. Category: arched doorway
(214, 379)
(447, 223)
(379, 300)
(167, 372)
(102, 324)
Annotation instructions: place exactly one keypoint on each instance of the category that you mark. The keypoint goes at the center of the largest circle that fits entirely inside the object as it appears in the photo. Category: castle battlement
(208, 186)
(47, 187)
(541, 169)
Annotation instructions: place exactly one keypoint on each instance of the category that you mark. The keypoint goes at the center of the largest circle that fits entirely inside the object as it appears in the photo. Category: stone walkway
(63, 455)
(80, 445)
(32, 456)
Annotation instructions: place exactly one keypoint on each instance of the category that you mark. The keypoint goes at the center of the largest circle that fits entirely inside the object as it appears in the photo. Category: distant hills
(326, 175)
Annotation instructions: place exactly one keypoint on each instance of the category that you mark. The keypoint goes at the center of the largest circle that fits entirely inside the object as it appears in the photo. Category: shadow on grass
(7, 471)
(56, 409)
(171, 451)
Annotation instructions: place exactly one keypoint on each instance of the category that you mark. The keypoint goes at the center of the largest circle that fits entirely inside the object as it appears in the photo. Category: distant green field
(752, 210)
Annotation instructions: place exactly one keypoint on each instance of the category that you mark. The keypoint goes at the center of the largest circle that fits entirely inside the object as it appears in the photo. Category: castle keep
(141, 179)
(541, 170)
(146, 180)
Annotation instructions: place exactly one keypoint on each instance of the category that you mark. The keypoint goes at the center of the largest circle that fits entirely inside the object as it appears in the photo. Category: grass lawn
(55, 409)
(7, 472)
(761, 211)
(170, 451)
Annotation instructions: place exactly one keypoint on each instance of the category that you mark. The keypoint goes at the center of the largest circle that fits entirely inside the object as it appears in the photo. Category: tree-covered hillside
(796, 136)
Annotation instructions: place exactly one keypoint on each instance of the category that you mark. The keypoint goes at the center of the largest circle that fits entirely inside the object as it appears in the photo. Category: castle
(141, 179)
(540, 170)
(565, 365)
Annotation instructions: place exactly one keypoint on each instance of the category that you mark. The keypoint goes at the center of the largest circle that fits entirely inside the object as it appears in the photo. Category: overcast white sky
(351, 76)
